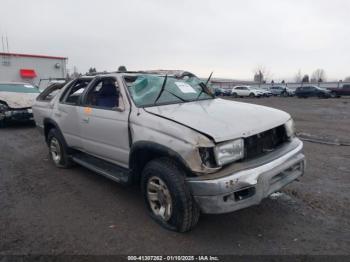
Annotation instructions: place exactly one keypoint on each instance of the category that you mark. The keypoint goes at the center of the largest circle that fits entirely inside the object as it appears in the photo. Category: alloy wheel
(55, 150)
(159, 198)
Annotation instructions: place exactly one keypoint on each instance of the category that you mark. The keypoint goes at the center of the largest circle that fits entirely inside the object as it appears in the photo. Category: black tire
(251, 95)
(234, 95)
(322, 96)
(185, 211)
(2, 123)
(64, 160)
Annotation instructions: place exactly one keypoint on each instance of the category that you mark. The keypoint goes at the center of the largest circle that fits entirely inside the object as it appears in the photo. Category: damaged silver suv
(191, 153)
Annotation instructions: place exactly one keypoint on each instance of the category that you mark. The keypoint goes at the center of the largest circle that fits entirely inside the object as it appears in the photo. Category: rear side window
(50, 92)
(72, 95)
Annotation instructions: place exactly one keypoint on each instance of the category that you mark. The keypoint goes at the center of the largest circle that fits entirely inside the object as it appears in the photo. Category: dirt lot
(45, 210)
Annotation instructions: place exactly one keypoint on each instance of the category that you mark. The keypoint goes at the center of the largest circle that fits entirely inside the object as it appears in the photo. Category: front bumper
(17, 114)
(250, 186)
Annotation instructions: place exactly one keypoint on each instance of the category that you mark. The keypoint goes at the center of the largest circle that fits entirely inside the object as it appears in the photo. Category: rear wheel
(234, 95)
(167, 197)
(251, 95)
(58, 149)
(334, 95)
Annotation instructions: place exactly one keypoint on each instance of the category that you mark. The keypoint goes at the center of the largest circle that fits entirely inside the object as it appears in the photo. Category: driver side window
(104, 94)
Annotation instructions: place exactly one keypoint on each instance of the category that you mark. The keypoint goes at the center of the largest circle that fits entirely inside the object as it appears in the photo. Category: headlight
(229, 152)
(290, 129)
(3, 107)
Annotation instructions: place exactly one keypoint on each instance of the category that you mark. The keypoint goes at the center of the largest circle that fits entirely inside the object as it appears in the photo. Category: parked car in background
(247, 91)
(16, 100)
(281, 91)
(168, 133)
(222, 91)
(342, 91)
(312, 91)
(266, 92)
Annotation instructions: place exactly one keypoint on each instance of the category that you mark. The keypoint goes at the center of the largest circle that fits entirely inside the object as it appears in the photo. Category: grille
(264, 142)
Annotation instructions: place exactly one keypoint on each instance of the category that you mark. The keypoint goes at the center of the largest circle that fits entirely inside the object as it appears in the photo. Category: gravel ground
(45, 210)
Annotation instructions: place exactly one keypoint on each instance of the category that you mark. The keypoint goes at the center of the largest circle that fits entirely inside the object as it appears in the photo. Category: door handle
(86, 120)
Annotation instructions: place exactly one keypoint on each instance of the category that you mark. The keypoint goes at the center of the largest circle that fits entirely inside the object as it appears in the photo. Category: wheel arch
(144, 151)
(50, 124)
(4, 102)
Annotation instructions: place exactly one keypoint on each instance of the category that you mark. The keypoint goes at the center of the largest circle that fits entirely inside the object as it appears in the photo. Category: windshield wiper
(161, 89)
(204, 87)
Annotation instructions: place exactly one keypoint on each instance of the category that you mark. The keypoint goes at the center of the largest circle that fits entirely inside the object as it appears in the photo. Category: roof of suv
(153, 72)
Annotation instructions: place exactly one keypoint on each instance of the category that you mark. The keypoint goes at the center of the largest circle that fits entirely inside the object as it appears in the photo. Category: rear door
(45, 103)
(345, 90)
(104, 121)
(274, 90)
(65, 113)
(239, 90)
(245, 91)
(306, 91)
(236, 90)
(313, 91)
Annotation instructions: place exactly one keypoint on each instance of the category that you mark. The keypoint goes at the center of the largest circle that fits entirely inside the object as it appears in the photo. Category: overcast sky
(230, 38)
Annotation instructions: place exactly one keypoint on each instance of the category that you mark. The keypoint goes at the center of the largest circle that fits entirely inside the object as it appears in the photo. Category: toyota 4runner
(191, 153)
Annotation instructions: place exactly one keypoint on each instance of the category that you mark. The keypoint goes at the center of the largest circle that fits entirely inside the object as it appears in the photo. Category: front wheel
(167, 196)
(234, 95)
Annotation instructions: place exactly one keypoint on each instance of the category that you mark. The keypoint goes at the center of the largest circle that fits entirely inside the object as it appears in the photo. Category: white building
(31, 68)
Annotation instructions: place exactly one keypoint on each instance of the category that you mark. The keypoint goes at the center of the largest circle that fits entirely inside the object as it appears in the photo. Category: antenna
(7, 43)
(2, 41)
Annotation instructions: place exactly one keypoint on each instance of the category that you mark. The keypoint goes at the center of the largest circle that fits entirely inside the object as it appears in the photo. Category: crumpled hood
(223, 119)
(18, 100)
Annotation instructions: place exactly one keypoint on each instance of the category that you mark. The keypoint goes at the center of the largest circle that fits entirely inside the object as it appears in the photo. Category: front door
(104, 122)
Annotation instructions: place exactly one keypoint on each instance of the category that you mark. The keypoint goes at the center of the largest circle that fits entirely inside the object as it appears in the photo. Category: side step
(102, 167)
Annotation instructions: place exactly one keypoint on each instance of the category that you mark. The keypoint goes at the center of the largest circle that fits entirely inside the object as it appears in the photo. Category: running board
(102, 167)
